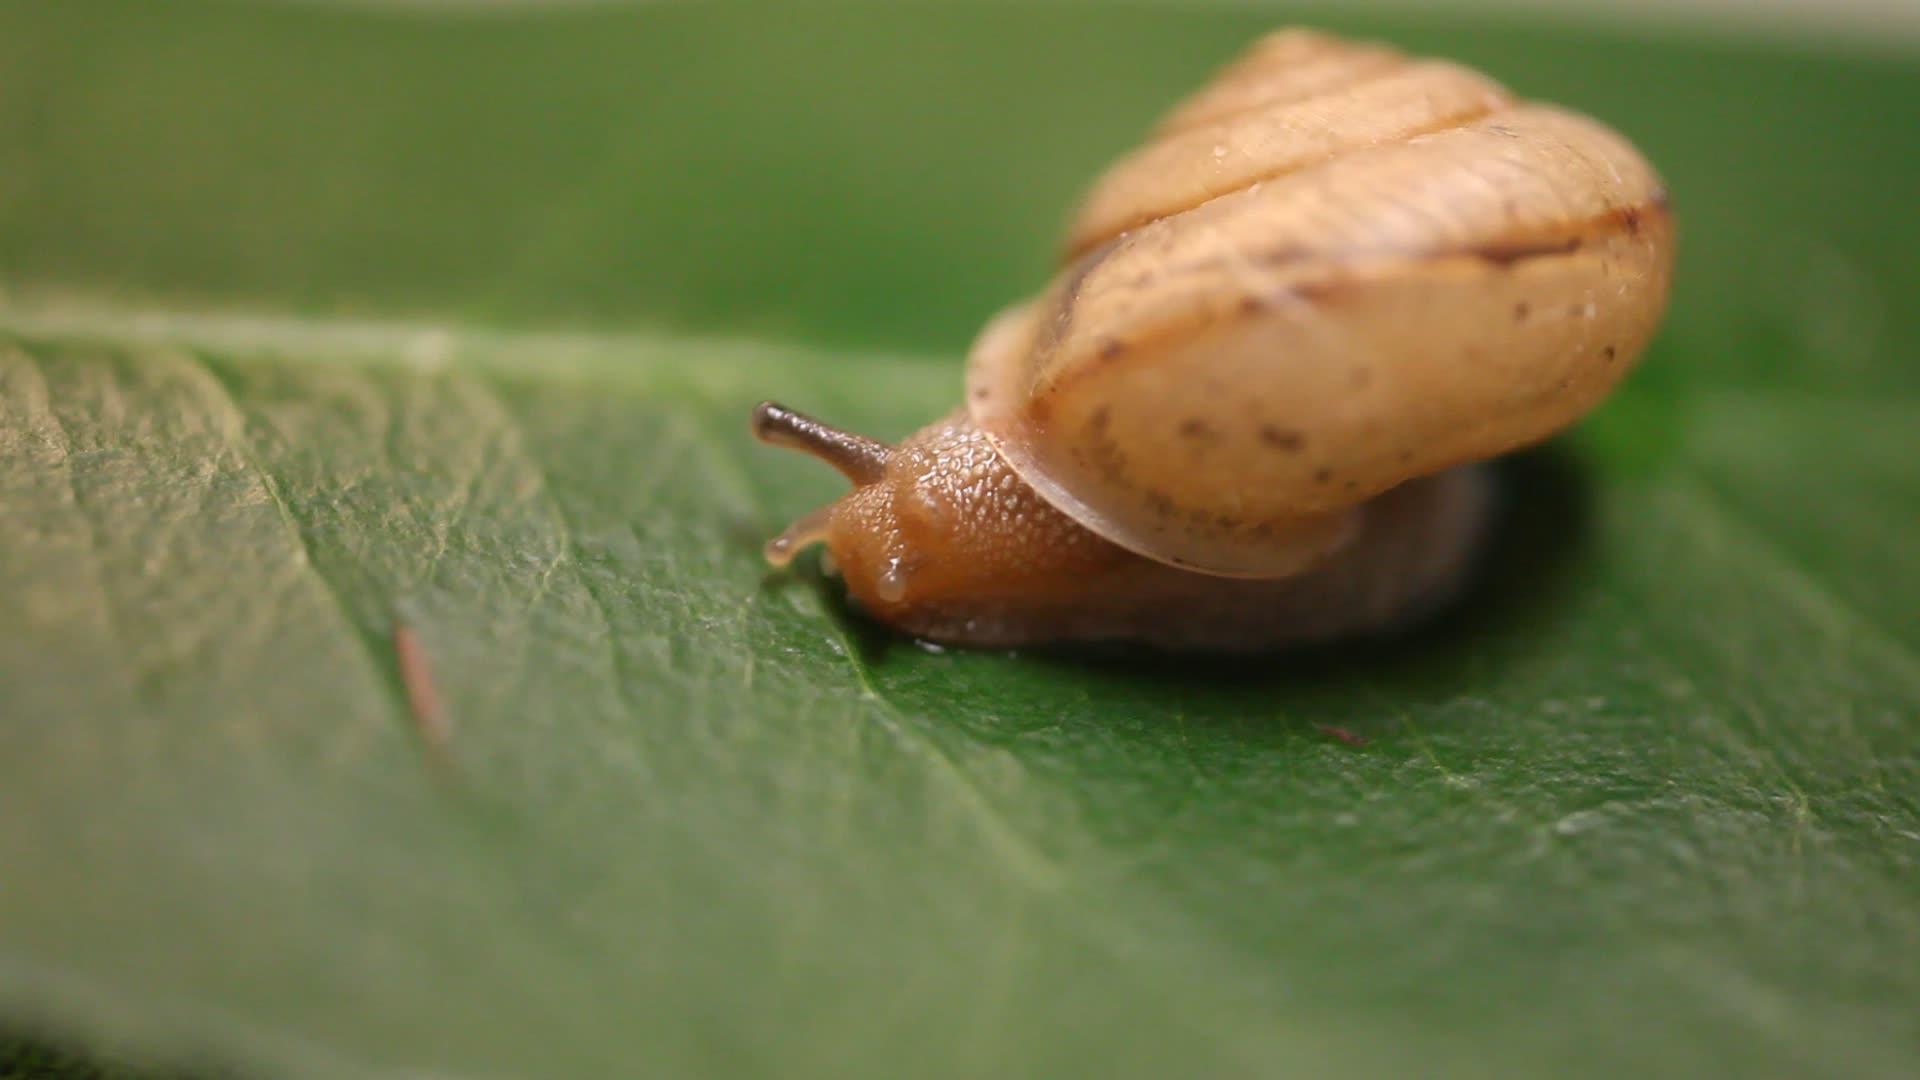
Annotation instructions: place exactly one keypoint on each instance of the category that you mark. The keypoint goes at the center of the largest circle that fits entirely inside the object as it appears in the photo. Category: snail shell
(1332, 270)
(1285, 331)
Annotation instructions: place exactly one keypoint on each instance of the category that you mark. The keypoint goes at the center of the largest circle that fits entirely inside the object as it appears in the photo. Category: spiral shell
(1333, 269)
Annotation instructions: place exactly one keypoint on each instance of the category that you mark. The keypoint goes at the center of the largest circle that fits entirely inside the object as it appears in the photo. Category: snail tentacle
(859, 459)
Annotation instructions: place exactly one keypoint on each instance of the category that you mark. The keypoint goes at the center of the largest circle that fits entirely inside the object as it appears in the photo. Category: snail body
(1247, 411)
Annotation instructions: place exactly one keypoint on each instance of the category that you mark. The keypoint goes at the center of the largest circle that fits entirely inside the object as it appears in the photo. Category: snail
(1253, 409)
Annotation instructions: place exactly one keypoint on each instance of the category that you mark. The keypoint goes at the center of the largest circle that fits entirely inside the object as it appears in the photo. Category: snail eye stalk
(859, 459)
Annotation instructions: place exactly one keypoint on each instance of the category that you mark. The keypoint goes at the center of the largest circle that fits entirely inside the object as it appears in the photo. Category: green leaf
(279, 376)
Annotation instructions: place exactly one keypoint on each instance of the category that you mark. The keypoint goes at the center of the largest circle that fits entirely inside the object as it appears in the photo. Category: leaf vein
(1832, 612)
(372, 646)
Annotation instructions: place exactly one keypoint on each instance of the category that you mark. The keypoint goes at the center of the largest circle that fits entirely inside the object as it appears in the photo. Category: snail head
(861, 529)
(934, 524)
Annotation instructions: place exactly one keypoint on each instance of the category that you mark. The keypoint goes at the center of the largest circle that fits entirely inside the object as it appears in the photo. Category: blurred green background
(318, 316)
(884, 175)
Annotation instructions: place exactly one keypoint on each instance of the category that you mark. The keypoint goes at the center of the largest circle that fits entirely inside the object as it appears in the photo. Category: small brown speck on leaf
(1322, 475)
(1111, 347)
(1098, 421)
(1522, 311)
(1351, 738)
(1195, 428)
(430, 721)
(1609, 352)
